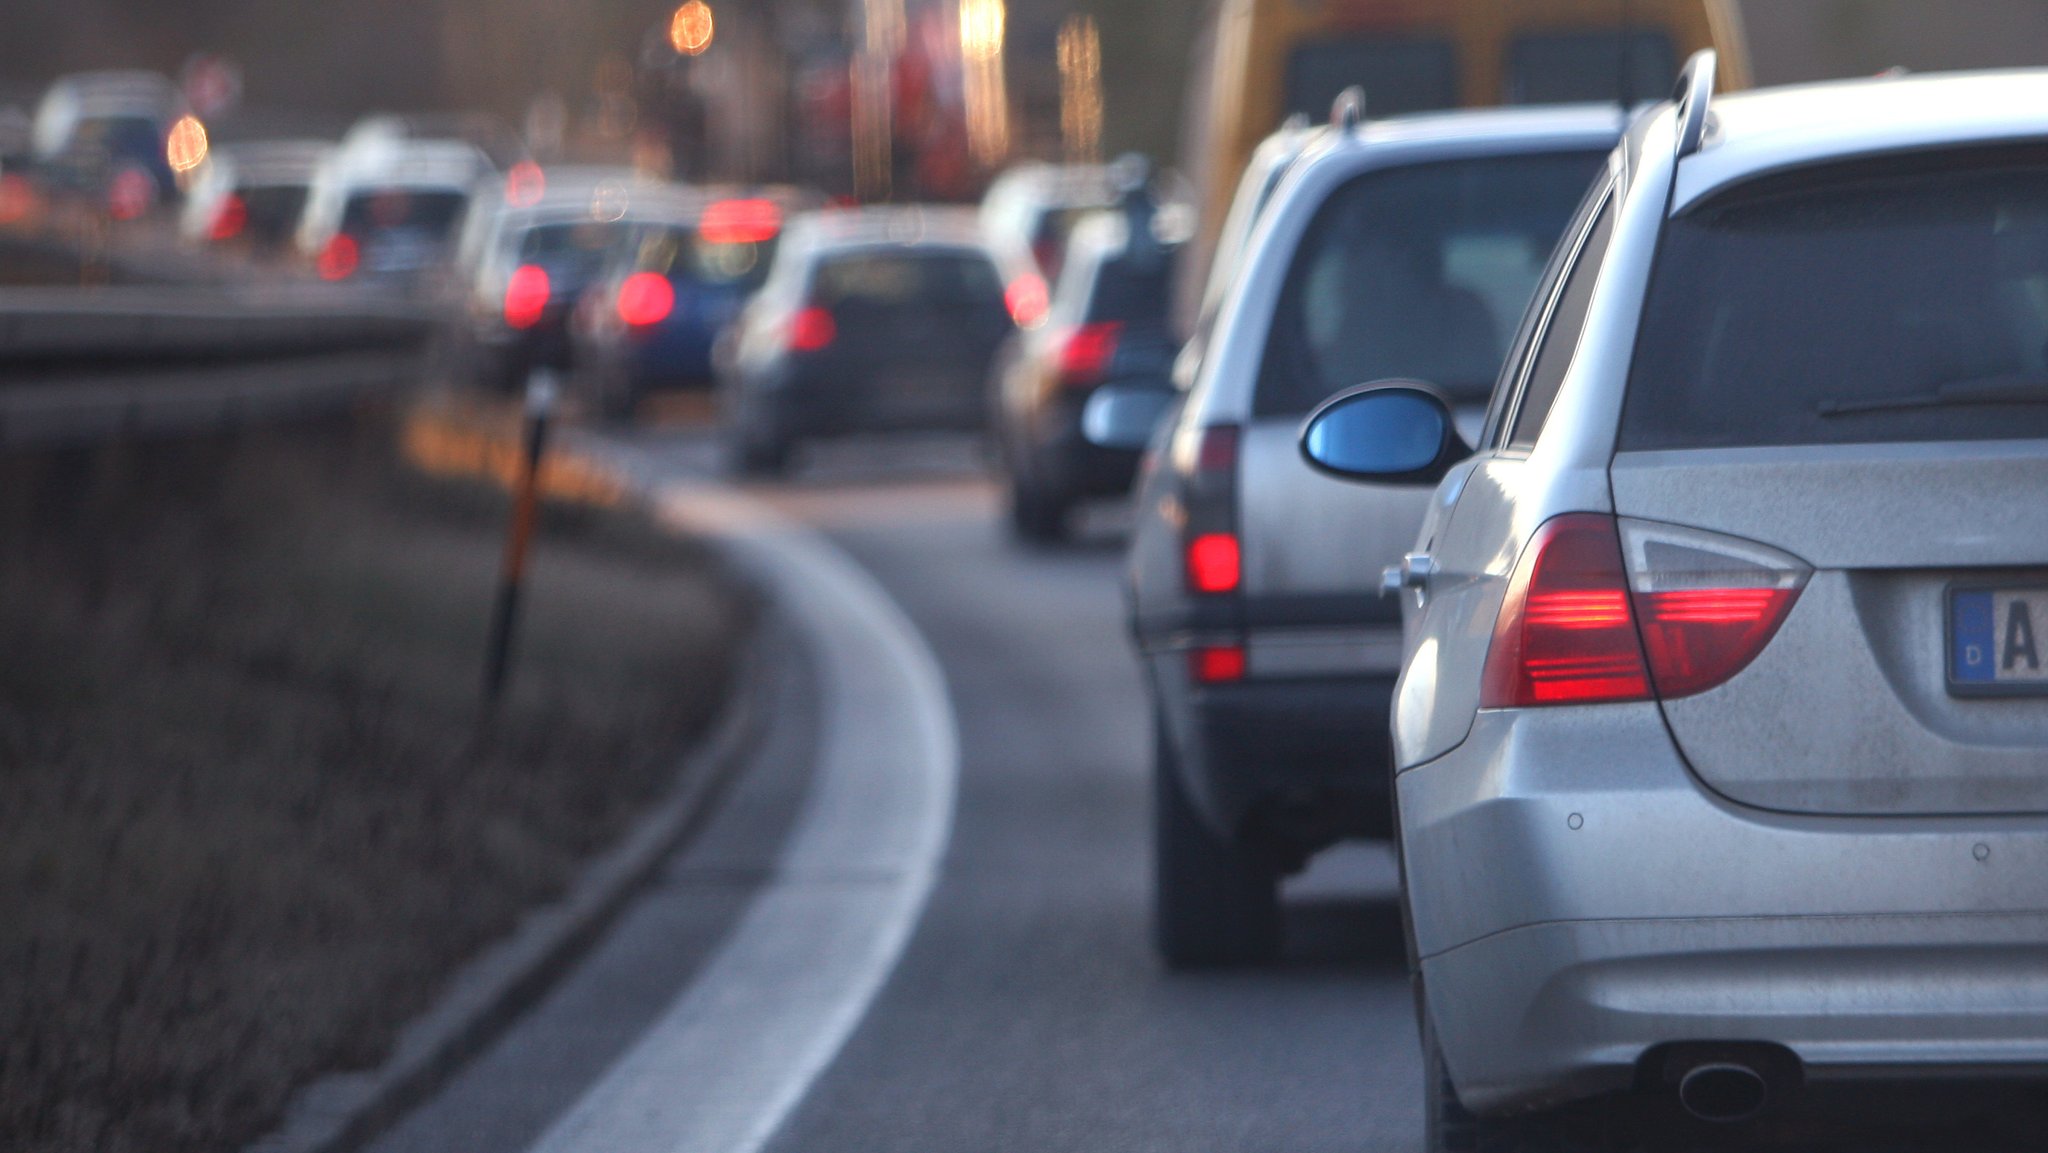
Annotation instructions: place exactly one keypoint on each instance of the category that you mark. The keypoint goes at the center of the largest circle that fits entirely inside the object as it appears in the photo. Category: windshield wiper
(2006, 388)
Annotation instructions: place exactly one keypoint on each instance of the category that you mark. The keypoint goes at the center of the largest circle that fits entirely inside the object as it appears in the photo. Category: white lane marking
(736, 1052)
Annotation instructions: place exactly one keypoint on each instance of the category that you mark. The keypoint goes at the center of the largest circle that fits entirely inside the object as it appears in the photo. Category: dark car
(876, 320)
(1108, 322)
(656, 314)
(528, 264)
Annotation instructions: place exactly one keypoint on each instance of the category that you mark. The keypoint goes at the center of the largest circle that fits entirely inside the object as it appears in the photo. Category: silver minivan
(1722, 733)
(1408, 246)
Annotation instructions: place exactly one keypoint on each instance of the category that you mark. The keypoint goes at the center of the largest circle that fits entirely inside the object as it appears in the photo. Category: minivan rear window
(1399, 74)
(1420, 272)
(1888, 301)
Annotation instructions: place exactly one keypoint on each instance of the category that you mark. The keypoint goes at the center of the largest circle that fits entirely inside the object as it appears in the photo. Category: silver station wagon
(1722, 735)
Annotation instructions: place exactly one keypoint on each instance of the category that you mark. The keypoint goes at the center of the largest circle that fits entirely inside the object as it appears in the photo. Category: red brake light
(1708, 604)
(339, 259)
(740, 222)
(1215, 563)
(232, 217)
(527, 295)
(1217, 664)
(813, 330)
(1028, 300)
(646, 298)
(1087, 352)
(1566, 634)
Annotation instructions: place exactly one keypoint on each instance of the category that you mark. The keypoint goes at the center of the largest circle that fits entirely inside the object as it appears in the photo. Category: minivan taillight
(1215, 563)
(1086, 353)
(229, 219)
(1707, 604)
(526, 296)
(645, 299)
(1601, 611)
(339, 258)
(1566, 634)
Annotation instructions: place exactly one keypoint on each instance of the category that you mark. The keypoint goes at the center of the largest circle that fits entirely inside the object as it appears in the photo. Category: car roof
(273, 161)
(1489, 124)
(909, 226)
(1754, 133)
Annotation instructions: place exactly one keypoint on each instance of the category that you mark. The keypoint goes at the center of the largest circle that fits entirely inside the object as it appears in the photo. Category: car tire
(1037, 517)
(761, 456)
(1214, 904)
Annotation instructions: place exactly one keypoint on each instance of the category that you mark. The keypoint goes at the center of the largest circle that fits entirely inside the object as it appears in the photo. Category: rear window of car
(1897, 300)
(1134, 291)
(905, 279)
(1400, 74)
(394, 208)
(682, 253)
(1569, 67)
(1421, 273)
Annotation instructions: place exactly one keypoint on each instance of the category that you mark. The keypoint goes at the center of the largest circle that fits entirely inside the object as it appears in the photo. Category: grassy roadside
(248, 820)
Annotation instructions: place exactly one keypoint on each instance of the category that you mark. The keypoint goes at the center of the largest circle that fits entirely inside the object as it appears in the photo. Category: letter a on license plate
(1998, 641)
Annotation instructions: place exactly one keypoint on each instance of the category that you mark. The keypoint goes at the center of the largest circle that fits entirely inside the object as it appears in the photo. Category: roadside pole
(541, 394)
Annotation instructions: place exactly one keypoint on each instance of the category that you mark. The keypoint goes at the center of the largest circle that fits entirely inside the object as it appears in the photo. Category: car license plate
(1998, 641)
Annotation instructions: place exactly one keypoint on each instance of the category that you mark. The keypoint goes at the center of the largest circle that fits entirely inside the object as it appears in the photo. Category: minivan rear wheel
(1214, 904)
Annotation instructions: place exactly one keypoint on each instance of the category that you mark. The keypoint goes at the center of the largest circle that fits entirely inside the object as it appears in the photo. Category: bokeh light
(185, 148)
(692, 29)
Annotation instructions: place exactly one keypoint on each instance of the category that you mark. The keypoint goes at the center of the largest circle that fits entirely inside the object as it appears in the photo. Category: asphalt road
(1025, 1011)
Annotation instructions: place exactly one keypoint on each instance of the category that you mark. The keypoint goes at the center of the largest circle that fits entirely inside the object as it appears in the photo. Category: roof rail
(1695, 92)
(1348, 109)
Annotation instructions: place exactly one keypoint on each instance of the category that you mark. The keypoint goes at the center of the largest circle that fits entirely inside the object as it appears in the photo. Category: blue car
(654, 320)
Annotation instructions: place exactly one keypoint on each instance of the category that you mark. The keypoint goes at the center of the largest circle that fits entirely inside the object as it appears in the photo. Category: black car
(875, 320)
(1108, 322)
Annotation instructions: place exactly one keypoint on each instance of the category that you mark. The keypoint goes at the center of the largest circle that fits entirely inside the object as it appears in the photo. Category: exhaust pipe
(1724, 1092)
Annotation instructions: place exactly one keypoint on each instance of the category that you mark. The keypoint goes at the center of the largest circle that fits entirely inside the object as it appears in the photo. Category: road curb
(343, 1112)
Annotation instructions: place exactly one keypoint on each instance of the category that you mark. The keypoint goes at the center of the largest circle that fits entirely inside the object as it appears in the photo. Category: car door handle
(1413, 572)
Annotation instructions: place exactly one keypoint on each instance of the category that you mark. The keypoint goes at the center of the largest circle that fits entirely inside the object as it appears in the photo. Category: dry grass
(248, 820)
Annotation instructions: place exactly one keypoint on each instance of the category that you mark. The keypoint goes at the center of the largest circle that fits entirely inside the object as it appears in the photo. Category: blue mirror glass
(1383, 434)
(1123, 416)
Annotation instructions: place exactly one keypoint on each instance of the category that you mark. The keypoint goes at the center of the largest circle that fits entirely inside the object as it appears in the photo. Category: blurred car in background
(386, 214)
(531, 245)
(1025, 219)
(1401, 248)
(660, 309)
(871, 320)
(103, 135)
(251, 197)
(1108, 323)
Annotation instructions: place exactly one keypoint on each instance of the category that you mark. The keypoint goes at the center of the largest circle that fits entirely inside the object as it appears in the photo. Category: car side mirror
(1124, 415)
(1387, 432)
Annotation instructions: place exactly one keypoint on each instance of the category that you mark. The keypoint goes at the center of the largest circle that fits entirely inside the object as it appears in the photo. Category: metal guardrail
(82, 367)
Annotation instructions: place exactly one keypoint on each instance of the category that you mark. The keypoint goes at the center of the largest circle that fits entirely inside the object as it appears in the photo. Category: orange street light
(186, 148)
(692, 29)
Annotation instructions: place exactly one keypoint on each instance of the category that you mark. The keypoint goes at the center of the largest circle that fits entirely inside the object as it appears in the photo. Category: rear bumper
(811, 401)
(1290, 765)
(1578, 898)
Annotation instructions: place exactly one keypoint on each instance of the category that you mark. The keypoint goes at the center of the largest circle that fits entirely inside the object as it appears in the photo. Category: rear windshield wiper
(2007, 388)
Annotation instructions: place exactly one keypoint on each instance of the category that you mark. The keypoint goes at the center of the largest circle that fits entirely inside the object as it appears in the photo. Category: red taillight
(230, 219)
(1086, 353)
(1215, 563)
(740, 222)
(339, 259)
(1217, 664)
(813, 330)
(1028, 300)
(1566, 634)
(1708, 604)
(527, 295)
(646, 298)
